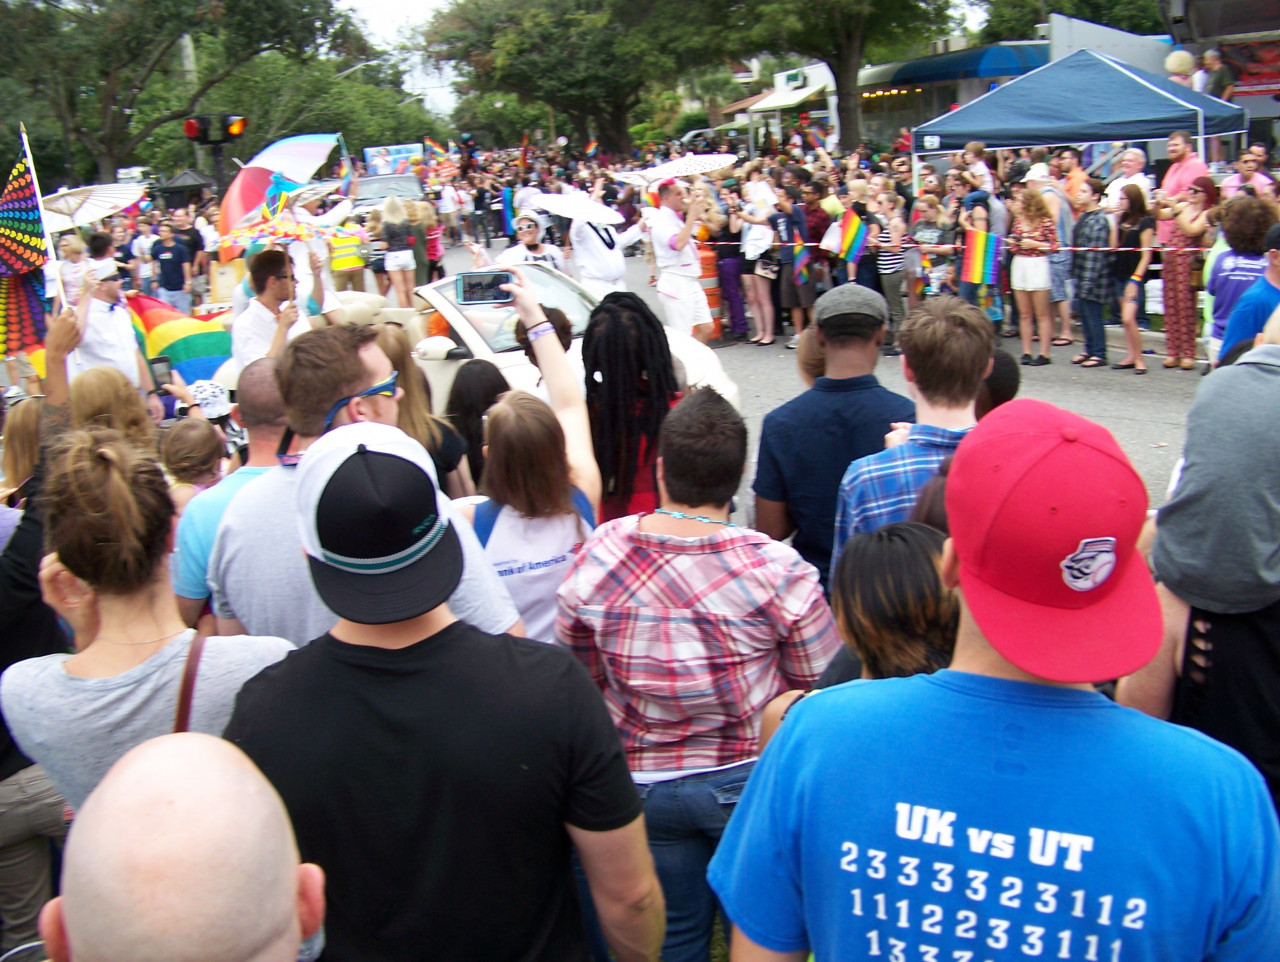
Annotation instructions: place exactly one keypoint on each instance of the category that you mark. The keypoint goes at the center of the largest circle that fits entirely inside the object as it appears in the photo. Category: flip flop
(1080, 359)
(1062, 342)
(1093, 362)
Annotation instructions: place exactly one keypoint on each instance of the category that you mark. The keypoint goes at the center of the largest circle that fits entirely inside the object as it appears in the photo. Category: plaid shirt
(881, 488)
(1092, 269)
(689, 638)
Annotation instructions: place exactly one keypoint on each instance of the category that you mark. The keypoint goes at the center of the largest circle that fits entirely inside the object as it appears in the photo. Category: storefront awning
(786, 99)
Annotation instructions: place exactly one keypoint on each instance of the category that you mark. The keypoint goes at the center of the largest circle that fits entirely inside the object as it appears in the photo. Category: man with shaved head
(260, 411)
(183, 852)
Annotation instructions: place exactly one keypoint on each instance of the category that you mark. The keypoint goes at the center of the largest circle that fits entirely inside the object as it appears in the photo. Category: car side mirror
(440, 348)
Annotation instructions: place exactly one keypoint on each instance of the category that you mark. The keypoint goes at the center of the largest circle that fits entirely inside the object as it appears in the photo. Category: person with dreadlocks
(631, 384)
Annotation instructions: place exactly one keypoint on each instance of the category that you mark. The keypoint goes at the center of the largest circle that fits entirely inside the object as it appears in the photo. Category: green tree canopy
(1017, 19)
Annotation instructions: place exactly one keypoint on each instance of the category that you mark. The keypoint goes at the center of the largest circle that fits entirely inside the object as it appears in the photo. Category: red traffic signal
(197, 129)
(214, 130)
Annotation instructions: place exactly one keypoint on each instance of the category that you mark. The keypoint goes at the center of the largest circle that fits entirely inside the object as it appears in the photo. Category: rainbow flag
(815, 138)
(592, 148)
(853, 237)
(196, 348)
(22, 312)
(437, 152)
(981, 258)
(800, 259)
(921, 284)
(347, 173)
(21, 230)
(508, 210)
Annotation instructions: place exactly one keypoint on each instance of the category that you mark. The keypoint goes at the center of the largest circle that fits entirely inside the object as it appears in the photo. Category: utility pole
(187, 49)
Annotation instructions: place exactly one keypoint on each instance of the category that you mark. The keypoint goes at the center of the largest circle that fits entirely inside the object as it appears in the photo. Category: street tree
(842, 34)
(1017, 19)
(94, 61)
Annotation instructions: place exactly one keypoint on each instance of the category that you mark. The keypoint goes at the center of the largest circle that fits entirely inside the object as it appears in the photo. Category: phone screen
(161, 370)
(483, 287)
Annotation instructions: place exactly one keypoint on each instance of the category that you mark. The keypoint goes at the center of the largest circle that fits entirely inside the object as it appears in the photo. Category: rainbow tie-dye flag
(853, 237)
(981, 263)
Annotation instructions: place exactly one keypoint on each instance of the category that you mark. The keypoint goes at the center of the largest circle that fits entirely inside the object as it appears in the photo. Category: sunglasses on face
(386, 389)
(1194, 190)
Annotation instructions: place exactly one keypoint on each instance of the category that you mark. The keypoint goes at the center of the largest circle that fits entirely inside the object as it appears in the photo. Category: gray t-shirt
(77, 727)
(1218, 537)
(258, 572)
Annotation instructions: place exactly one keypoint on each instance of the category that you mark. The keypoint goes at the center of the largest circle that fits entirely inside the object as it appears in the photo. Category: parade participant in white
(311, 258)
(528, 248)
(684, 305)
(270, 320)
(597, 250)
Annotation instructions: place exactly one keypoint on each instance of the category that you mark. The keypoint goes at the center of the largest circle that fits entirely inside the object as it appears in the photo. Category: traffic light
(214, 130)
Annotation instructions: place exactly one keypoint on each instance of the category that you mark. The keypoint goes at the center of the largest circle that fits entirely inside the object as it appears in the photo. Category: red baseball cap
(1045, 512)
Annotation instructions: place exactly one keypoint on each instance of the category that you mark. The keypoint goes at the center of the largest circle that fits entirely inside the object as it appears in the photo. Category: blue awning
(997, 60)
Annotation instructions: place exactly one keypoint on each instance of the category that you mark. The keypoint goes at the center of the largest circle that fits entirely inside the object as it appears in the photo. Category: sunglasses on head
(387, 389)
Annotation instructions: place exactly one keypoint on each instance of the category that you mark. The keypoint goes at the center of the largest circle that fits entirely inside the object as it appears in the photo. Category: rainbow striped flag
(347, 173)
(921, 284)
(981, 258)
(435, 150)
(592, 148)
(800, 259)
(816, 138)
(853, 237)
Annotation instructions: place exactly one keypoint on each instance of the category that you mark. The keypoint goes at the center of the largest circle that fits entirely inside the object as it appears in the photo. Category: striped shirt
(689, 638)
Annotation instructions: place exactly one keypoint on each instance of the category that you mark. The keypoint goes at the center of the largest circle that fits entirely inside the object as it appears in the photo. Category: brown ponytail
(108, 510)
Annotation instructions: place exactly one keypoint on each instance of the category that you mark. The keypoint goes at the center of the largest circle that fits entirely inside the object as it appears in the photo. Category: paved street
(1146, 414)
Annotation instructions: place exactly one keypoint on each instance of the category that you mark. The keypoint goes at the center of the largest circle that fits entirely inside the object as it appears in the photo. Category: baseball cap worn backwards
(1045, 512)
(378, 547)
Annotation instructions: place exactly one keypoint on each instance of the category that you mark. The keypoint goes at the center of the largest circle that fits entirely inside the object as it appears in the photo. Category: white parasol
(577, 206)
(68, 209)
(632, 177)
(690, 164)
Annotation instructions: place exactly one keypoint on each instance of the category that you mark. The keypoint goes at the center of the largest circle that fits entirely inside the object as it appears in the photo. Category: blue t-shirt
(788, 226)
(1251, 313)
(1231, 276)
(197, 529)
(170, 260)
(806, 445)
(960, 818)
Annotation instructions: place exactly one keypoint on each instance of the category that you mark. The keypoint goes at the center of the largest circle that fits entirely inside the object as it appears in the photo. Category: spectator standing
(729, 261)
(1133, 164)
(807, 444)
(1248, 175)
(1032, 239)
(1189, 214)
(1087, 804)
(1245, 223)
(1183, 170)
(1135, 234)
(448, 206)
(464, 848)
(690, 625)
(271, 318)
(173, 264)
(934, 239)
(189, 236)
(1259, 303)
(1222, 85)
(947, 345)
(1063, 217)
(1091, 272)
(140, 247)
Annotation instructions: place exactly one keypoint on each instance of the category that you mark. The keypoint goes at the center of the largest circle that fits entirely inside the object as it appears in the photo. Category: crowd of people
(312, 672)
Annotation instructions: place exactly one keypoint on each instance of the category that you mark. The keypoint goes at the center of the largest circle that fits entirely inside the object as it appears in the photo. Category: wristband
(539, 330)
(1136, 278)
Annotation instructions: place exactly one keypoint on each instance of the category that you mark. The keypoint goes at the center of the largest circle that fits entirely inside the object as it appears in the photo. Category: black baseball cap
(378, 544)
(1272, 241)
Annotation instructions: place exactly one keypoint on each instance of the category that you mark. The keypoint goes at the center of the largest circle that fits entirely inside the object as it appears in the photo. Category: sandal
(1094, 362)
(1081, 358)
(1062, 342)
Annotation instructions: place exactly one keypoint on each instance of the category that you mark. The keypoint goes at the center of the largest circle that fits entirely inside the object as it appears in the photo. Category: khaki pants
(31, 814)
(349, 280)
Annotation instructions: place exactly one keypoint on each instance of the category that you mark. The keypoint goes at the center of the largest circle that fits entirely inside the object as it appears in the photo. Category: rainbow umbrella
(195, 348)
(283, 229)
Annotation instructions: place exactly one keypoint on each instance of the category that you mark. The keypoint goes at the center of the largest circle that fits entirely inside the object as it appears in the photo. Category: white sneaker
(794, 342)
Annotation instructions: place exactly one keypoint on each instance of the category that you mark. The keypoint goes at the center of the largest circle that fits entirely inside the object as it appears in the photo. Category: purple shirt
(1231, 276)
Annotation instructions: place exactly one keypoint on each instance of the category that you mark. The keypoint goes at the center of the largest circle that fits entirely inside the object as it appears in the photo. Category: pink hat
(1045, 512)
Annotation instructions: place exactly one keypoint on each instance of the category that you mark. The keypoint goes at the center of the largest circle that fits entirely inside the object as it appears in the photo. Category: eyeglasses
(387, 388)
(283, 277)
(1194, 190)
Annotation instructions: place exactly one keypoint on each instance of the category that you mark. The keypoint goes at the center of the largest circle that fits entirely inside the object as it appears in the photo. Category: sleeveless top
(533, 555)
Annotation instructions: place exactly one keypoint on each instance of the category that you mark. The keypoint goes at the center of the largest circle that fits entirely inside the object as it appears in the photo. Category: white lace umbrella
(68, 209)
(690, 164)
(577, 206)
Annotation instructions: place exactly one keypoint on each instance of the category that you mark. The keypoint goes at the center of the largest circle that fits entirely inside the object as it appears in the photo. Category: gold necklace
(130, 644)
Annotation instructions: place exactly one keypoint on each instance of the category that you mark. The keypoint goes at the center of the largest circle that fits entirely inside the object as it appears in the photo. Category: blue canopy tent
(1085, 98)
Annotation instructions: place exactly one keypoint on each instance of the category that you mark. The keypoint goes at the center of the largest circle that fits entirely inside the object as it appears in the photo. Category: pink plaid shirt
(689, 639)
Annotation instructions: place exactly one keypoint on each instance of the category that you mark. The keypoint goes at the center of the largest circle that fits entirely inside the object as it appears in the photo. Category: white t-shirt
(141, 249)
(108, 341)
(519, 254)
(448, 202)
(380, 165)
(254, 329)
(666, 226)
(597, 250)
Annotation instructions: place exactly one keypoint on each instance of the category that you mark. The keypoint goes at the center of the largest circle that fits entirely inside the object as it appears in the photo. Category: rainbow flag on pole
(981, 263)
(592, 148)
(921, 284)
(816, 138)
(853, 237)
(800, 259)
(437, 152)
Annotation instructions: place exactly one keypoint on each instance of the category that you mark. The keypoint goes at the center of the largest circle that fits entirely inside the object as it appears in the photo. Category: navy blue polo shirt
(169, 260)
(807, 444)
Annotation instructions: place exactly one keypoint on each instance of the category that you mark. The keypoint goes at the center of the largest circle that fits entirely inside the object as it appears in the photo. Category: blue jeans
(1095, 335)
(685, 819)
(145, 285)
(180, 301)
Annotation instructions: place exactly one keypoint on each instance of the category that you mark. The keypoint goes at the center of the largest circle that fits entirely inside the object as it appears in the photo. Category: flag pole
(49, 250)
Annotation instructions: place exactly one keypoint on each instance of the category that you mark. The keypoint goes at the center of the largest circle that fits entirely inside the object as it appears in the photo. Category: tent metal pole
(1200, 116)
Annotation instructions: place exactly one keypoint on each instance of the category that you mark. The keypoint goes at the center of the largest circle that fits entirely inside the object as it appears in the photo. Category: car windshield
(398, 185)
(496, 323)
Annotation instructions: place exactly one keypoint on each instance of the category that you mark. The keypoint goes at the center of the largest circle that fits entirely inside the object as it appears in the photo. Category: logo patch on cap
(1090, 565)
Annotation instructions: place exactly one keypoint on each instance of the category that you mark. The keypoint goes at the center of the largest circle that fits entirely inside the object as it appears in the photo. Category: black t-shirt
(432, 784)
(192, 240)
(449, 452)
(1124, 263)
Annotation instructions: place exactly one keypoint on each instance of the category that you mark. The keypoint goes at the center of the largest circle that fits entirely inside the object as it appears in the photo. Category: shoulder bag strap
(183, 715)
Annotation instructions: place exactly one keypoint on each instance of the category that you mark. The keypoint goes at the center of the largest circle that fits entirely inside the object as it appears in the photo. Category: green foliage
(95, 63)
(691, 120)
(1017, 19)
(496, 126)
